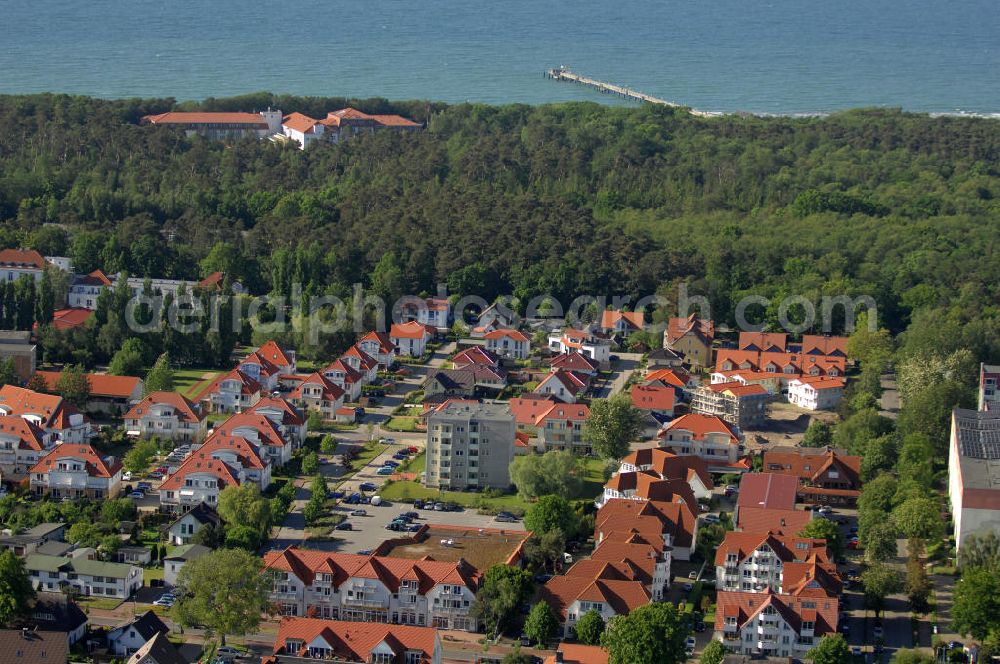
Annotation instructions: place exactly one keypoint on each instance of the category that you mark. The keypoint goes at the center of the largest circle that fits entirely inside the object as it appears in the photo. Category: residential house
(692, 337)
(308, 639)
(766, 342)
(509, 344)
(669, 466)
(670, 525)
(567, 386)
(743, 406)
(184, 554)
(183, 529)
(70, 318)
(349, 122)
(76, 471)
(291, 424)
(318, 393)
(574, 361)
(136, 555)
(818, 344)
(561, 428)
(111, 395)
(220, 125)
(974, 472)
(706, 436)
(793, 365)
(476, 356)
(49, 412)
(411, 338)
(664, 358)
(762, 562)
(469, 445)
(27, 645)
(43, 538)
(826, 476)
(432, 311)
(379, 346)
(682, 383)
(767, 504)
(577, 653)
(231, 392)
(497, 316)
(773, 625)
(369, 588)
(126, 639)
(571, 339)
(622, 323)
(16, 346)
(572, 596)
(22, 444)
(989, 386)
(629, 561)
(86, 577)
(158, 650)
(346, 377)
(653, 399)
(472, 381)
(818, 393)
(17, 263)
(646, 485)
(198, 480)
(86, 288)
(57, 612)
(302, 129)
(167, 415)
(361, 362)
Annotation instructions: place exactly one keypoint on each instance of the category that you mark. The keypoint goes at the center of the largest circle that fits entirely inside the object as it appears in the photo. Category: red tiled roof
(30, 435)
(809, 464)
(289, 414)
(331, 391)
(273, 353)
(674, 377)
(668, 465)
(51, 409)
(572, 381)
(212, 281)
(475, 356)
(266, 430)
(195, 464)
(817, 344)
(410, 330)
(577, 653)
(101, 385)
(247, 384)
(185, 410)
(738, 389)
(65, 319)
(701, 425)
(679, 327)
(635, 319)
(763, 341)
(529, 408)
(21, 258)
(646, 397)
(354, 641)
(768, 490)
(195, 118)
(788, 548)
(237, 445)
(744, 606)
(516, 335)
(351, 375)
(621, 596)
(565, 412)
(394, 121)
(383, 340)
(573, 361)
(763, 520)
(822, 382)
(650, 517)
(95, 465)
(299, 122)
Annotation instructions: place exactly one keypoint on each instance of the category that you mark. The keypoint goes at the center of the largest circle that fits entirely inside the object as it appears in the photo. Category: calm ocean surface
(776, 56)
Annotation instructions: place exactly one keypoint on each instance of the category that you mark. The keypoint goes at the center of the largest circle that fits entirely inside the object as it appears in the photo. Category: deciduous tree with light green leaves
(651, 634)
(919, 517)
(16, 592)
(825, 529)
(160, 377)
(555, 472)
(880, 581)
(713, 653)
(612, 425)
(245, 506)
(832, 649)
(224, 592)
(503, 591)
(551, 513)
(589, 628)
(541, 624)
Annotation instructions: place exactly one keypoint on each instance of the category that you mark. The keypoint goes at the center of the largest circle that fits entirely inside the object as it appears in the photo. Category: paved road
(890, 397)
(627, 364)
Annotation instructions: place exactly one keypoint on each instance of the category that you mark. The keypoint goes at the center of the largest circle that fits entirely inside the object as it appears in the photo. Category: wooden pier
(564, 74)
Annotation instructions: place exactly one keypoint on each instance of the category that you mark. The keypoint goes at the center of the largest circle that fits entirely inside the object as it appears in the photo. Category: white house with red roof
(368, 588)
(567, 386)
(310, 639)
(73, 471)
(22, 444)
(200, 479)
(273, 442)
(622, 323)
(757, 562)
(49, 412)
(818, 393)
(86, 288)
(319, 393)
(705, 436)
(220, 125)
(476, 357)
(361, 362)
(571, 339)
(668, 466)
(773, 625)
(379, 346)
(572, 596)
(240, 455)
(348, 122)
(561, 428)
(508, 343)
(653, 398)
(432, 311)
(167, 415)
(574, 361)
(16, 263)
(346, 377)
(290, 422)
(411, 338)
(302, 129)
(231, 392)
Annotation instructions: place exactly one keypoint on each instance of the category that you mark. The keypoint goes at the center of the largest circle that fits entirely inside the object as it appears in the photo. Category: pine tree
(161, 377)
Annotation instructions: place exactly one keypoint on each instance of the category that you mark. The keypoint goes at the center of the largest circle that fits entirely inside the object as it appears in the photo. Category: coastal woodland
(565, 199)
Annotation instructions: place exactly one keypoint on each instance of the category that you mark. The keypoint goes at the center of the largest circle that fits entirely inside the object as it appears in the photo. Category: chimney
(559, 656)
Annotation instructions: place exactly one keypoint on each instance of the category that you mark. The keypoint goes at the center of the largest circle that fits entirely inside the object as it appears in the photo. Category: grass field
(189, 381)
(408, 491)
(401, 424)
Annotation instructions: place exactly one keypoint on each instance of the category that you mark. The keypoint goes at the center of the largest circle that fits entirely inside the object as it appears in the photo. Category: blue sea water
(773, 56)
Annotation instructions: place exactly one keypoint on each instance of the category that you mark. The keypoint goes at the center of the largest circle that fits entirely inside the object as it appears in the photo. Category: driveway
(621, 371)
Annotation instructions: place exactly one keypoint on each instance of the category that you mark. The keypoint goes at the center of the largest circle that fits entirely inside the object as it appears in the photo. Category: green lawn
(416, 464)
(189, 381)
(593, 478)
(409, 491)
(106, 603)
(401, 424)
(369, 452)
(152, 574)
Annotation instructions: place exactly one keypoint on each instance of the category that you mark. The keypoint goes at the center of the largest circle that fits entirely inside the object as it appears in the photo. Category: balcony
(450, 610)
(367, 603)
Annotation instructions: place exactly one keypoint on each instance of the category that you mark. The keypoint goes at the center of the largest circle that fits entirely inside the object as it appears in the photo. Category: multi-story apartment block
(669, 466)
(743, 406)
(761, 562)
(49, 412)
(974, 472)
(671, 526)
(469, 445)
(87, 577)
(86, 288)
(22, 444)
(773, 625)
(572, 596)
(197, 480)
(706, 436)
(76, 471)
(767, 504)
(561, 428)
(17, 263)
(509, 344)
(378, 589)
(167, 415)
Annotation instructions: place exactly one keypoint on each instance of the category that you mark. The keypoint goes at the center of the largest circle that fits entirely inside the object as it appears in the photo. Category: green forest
(565, 199)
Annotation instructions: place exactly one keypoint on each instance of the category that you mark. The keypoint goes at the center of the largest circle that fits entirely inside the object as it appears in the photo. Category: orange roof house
(69, 318)
(693, 337)
(355, 642)
(622, 322)
(659, 399)
(124, 389)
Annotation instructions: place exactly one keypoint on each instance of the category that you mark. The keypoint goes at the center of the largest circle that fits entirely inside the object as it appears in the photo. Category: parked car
(419, 504)
(856, 651)
(506, 517)
(439, 507)
(389, 441)
(227, 653)
(359, 412)
(368, 486)
(688, 587)
(164, 602)
(412, 450)
(353, 499)
(412, 515)
(137, 495)
(145, 486)
(344, 525)
(156, 475)
(711, 518)
(385, 470)
(390, 462)
(414, 527)
(335, 494)
(359, 512)
(693, 575)
(690, 643)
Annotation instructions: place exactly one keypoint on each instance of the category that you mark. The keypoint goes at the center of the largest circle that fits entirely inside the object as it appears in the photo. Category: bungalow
(819, 393)
(76, 471)
(508, 343)
(166, 415)
(564, 385)
(705, 436)
(411, 338)
(49, 412)
(379, 346)
(308, 639)
(112, 395)
(87, 577)
(183, 529)
(692, 337)
(622, 323)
